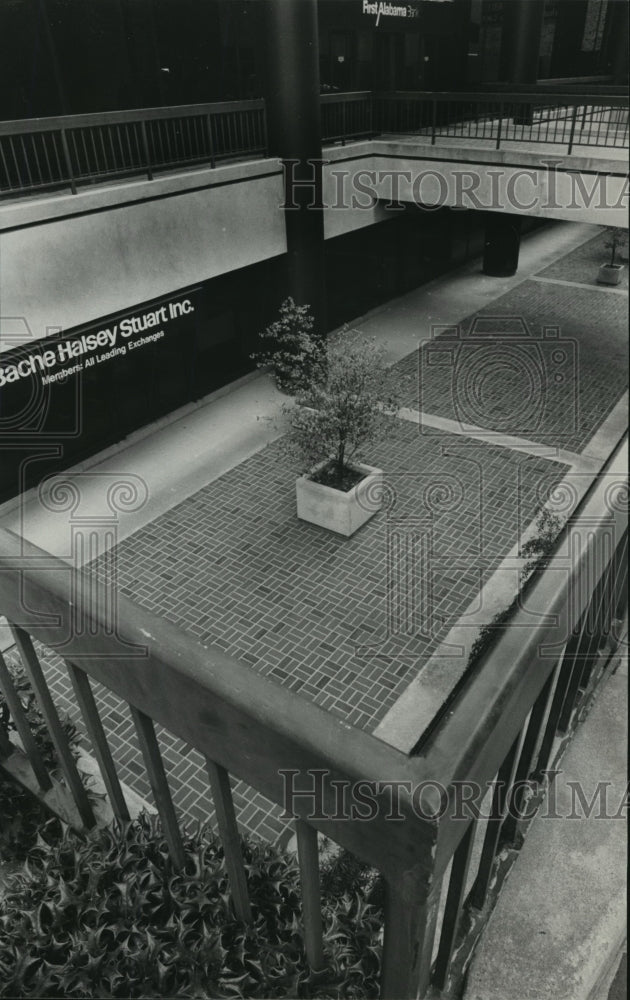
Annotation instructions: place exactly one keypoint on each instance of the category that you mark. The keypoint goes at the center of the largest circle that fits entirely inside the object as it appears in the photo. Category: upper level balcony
(39, 155)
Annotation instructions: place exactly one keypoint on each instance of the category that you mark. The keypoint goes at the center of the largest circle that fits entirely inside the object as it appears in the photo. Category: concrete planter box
(609, 274)
(337, 510)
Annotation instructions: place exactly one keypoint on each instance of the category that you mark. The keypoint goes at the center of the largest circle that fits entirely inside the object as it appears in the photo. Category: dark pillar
(502, 244)
(617, 42)
(293, 118)
(521, 50)
(45, 26)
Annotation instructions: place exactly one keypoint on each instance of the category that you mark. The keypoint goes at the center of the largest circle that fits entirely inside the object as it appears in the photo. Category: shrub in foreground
(107, 915)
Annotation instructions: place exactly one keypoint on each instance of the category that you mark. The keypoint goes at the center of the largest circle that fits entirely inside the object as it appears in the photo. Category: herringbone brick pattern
(344, 622)
(583, 263)
(548, 390)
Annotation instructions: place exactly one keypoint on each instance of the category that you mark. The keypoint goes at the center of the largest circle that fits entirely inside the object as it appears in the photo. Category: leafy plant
(34, 717)
(290, 348)
(616, 240)
(107, 915)
(341, 409)
(542, 545)
(24, 818)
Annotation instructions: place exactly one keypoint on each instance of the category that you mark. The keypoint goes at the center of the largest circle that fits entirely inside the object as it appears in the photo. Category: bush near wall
(107, 915)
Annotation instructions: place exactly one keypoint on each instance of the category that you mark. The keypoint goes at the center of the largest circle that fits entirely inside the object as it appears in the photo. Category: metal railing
(44, 153)
(506, 724)
(347, 116)
(559, 119)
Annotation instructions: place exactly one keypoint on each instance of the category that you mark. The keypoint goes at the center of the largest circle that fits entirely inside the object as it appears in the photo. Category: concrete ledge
(560, 921)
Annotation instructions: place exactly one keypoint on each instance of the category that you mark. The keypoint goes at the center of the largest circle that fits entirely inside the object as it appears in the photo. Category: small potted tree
(610, 273)
(342, 403)
(336, 416)
(289, 348)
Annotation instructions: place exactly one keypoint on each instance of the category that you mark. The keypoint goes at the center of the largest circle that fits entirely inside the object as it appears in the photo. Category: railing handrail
(349, 95)
(506, 97)
(22, 125)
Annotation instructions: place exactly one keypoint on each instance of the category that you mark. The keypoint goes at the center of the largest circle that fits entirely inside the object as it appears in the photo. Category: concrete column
(618, 42)
(293, 118)
(502, 244)
(524, 23)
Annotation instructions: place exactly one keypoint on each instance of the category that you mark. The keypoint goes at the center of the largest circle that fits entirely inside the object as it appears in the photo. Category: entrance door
(389, 60)
(342, 63)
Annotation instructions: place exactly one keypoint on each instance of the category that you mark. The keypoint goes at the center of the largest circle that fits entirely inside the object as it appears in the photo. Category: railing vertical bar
(145, 151)
(104, 151)
(572, 133)
(210, 140)
(119, 128)
(12, 699)
(601, 625)
(500, 128)
(308, 858)
(228, 831)
(525, 764)
(621, 589)
(128, 142)
(583, 653)
(167, 135)
(198, 133)
(37, 165)
(6, 166)
(454, 905)
(6, 747)
(98, 739)
(55, 148)
(94, 148)
(57, 734)
(159, 784)
(433, 120)
(17, 165)
(263, 120)
(111, 147)
(500, 797)
(567, 669)
(409, 934)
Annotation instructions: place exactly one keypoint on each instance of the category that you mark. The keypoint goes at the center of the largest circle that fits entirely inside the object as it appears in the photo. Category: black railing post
(573, 124)
(500, 128)
(433, 120)
(145, 148)
(264, 129)
(66, 156)
(210, 142)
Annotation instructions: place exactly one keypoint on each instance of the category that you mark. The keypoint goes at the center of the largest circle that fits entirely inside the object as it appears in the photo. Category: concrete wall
(66, 260)
(577, 188)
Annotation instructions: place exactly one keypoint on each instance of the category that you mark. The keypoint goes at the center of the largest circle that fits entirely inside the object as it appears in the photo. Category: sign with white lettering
(382, 8)
(75, 354)
(379, 9)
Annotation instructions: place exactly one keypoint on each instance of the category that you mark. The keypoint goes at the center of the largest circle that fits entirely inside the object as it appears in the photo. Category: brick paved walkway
(582, 264)
(327, 617)
(556, 393)
(340, 620)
